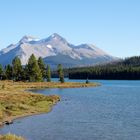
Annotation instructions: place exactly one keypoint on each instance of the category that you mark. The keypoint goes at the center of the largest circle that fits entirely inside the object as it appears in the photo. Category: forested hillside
(127, 69)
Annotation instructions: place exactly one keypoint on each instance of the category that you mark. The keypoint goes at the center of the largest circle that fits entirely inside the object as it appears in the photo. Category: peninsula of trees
(34, 71)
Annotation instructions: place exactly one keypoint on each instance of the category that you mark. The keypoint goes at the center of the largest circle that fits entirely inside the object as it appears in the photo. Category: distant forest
(127, 69)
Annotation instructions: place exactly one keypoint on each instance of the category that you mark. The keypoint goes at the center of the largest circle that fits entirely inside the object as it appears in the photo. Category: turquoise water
(108, 112)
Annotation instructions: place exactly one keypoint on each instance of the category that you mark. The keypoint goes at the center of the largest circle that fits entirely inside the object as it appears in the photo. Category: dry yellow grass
(16, 101)
(10, 137)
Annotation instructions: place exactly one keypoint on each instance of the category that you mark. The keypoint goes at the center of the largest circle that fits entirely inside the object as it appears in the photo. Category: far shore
(18, 102)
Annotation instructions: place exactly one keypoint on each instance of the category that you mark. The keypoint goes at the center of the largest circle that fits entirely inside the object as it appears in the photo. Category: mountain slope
(54, 50)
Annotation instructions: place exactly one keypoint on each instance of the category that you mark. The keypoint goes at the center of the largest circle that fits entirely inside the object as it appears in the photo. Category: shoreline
(10, 120)
(25, 89)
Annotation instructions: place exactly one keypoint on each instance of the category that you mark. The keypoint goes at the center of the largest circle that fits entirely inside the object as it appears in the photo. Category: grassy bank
(16, 101)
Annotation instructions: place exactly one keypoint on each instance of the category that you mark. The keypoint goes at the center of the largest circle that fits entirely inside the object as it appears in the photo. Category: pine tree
(42, 67)
(34, 72)
(8, 72)
(25, 75)
(60, 73)
(48, 74)
(17, 69)
(1, 72)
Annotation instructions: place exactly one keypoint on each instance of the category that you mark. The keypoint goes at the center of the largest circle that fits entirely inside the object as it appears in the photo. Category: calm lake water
(108, 112)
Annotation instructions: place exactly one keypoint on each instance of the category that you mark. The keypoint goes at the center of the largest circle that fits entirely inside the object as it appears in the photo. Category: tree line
(128, 69)
(34, 71)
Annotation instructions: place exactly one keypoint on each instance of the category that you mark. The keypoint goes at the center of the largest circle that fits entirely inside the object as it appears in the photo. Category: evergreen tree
(8, 72)
(60, 73)
(42, 67)
(34, 72)
(48, 74)
(3, 77)
(17, 69)
(1, 72)
(25, 75)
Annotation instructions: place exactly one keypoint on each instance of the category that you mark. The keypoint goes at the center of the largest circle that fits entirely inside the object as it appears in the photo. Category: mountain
(54, 50)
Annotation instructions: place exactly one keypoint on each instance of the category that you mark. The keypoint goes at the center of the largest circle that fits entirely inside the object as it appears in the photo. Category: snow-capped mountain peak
(54, 50)
(56, 37)
(27, 38)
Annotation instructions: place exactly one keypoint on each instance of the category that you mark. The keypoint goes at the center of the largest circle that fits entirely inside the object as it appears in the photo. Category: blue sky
(112, 25)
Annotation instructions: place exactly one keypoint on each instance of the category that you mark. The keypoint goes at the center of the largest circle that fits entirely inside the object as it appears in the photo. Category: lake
(107, 112)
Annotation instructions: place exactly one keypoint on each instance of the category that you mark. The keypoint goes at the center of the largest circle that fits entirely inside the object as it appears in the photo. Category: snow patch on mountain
(49, 46)
(54, 47)
(26, 39)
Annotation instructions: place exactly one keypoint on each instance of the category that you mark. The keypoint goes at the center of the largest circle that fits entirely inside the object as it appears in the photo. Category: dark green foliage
(1, 72)
(42, 67)
(48, 74)
(128, 69)
(25, 74)
(132, 61)
(17, 69)
(8, 72)
(60, 73)
(34, 72)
